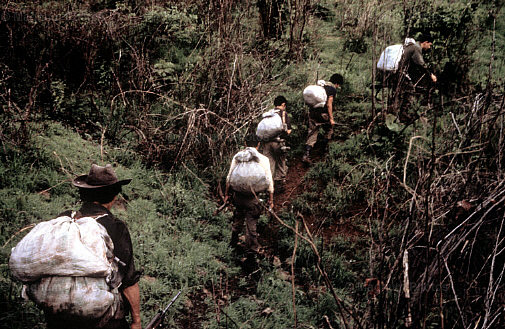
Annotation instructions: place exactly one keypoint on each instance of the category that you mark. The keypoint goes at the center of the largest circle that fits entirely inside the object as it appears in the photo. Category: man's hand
(225, 199)
(332, 122)
(433, 78)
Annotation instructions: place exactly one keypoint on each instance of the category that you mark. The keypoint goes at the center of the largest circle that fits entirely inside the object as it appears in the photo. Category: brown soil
(294, 178)
(293, 186)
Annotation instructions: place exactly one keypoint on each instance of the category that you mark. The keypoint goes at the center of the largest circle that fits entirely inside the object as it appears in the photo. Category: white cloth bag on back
(248, 175)
(390, 58)
(63, 247)
(82, 298)
(315, 96)
(68, 267)
(270, 126)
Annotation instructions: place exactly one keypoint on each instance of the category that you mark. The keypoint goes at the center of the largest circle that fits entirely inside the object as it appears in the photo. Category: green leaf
(392, 124)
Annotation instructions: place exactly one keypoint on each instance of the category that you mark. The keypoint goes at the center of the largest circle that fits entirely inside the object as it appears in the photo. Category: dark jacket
(412, 63)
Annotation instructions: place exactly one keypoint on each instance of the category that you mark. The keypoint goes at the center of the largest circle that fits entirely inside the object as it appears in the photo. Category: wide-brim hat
(99, 177)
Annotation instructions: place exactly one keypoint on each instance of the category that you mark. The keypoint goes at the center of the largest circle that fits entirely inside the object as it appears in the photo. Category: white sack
(390, 58)
(79, 297)
(63, 247)
(270, 126)
(409, 41)
(315, 96)
(248, 174)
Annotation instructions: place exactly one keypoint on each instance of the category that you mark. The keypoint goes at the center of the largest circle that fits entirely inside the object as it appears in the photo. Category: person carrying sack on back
(99, 190)
(322, 116)
(249, 174)
(415, 78)
(88, 300)
(274, 147)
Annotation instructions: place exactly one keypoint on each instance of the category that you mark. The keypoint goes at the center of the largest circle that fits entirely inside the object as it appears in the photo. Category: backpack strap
(77, 215)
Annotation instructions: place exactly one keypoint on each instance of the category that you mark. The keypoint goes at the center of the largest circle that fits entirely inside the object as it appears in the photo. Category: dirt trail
(294, 178)
(293, 186)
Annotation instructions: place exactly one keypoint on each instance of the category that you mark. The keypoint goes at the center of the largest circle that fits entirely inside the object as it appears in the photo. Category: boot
(306, 157)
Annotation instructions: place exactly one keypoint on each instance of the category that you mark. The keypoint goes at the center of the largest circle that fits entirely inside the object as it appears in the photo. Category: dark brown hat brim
(81, 182)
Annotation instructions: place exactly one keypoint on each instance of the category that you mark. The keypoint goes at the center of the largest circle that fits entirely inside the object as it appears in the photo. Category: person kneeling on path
(249, 175)
(99, 191)
(322, 116)
(275, 149)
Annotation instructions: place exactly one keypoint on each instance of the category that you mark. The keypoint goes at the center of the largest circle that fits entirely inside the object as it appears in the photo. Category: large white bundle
(315, 96)
(270, 126)
(63, 247)
(248, 175)
(78, 297)
(390, 58)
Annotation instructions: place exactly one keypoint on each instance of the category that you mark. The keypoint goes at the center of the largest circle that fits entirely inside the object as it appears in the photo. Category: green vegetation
(166, 91)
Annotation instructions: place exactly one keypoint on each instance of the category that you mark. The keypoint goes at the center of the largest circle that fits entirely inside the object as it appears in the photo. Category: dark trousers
(247, 212)
(63, 321)
(315, 123)
(60, 322)
(277, 157)
(409, 92)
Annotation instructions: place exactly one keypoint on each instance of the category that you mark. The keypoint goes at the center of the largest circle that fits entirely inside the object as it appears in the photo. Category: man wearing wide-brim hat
(99, 190)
